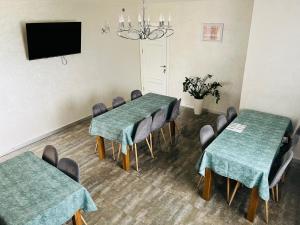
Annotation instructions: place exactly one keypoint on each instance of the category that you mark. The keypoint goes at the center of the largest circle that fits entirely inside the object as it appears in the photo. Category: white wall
(37, 97)
(272, 73)
(190, 56)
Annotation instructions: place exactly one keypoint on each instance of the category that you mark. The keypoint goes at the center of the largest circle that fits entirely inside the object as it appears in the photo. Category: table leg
(77, 218)
(207, 191)
(126, 160)
(254, 199)
(172, 131)
(100, 147)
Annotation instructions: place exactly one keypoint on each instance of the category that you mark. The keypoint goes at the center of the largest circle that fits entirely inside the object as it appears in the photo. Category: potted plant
(199, 88)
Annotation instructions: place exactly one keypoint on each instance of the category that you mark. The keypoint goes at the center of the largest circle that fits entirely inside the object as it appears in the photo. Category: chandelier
(144, 30)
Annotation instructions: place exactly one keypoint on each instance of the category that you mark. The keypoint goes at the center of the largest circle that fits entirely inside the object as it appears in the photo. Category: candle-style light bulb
(160, 18)
(121, 19)
(169, 20)
(121, 22)
(129, 21)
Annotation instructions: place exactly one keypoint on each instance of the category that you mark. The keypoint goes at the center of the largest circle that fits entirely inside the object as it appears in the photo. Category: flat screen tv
(53, 39)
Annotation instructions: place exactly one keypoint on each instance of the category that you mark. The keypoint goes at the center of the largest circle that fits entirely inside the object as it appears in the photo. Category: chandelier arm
(145, 30)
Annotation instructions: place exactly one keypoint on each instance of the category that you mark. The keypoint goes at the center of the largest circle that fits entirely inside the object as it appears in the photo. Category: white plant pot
(198, 103)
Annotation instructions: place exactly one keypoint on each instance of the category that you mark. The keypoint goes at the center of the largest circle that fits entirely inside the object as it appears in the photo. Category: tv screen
(53, 39)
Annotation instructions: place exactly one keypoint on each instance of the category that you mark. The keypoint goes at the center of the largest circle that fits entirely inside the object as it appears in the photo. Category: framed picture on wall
(213, 31)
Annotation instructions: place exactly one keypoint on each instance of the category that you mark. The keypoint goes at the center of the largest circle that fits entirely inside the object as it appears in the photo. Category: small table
(247, 156)
(32, 192)
(118, 124)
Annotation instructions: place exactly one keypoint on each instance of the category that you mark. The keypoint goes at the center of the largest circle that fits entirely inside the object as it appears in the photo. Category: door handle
(163, 66)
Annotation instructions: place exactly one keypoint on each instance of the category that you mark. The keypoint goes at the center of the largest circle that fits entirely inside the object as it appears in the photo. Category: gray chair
(50, 155)
(221, 123)
(173, 116)
(136, 94)
(274, 184)
(207, 135)
(99, 109)
(142, 133)
(70, 168)
(158, 121)
(231, 114)
(118, 101)
(276, 179)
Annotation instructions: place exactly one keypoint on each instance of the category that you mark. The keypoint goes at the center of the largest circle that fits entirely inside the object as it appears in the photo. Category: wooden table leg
(126, 160)
(254, 199)
(172, 131)
(207, 191)
(100, 147)
(77, 218)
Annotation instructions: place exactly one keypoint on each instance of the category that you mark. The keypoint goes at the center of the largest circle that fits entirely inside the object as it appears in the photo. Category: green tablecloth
(247, 157)
(118, 124)
(32, 192)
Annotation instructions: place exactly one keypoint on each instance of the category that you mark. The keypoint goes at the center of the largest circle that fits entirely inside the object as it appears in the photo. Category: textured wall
(42, 95)
(189, 55)
(271, 81)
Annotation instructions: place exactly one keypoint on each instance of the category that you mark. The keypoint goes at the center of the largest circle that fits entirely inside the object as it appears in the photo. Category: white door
(154, 66)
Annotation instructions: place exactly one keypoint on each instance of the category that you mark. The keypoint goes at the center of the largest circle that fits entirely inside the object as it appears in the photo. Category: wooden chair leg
(170, 133)
(150, 148)
(119, 152)
(83, 220)
(267, 211)
(151, 140)
(234, 191)
(113, 150)
(273, 194)
(277, 193)
(136, 158)
(162, 132)
(228, 189)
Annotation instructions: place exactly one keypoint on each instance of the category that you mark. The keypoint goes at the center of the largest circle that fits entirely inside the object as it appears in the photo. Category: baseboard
(32, 141)
(204, 109)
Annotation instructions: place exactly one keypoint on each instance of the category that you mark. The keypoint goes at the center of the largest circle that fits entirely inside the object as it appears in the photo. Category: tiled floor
(164, 192)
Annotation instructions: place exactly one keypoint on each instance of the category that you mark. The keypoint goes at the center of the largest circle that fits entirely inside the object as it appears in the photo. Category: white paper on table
(236, 127)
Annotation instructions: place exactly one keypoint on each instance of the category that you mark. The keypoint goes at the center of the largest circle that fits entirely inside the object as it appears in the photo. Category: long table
(32, 192)
(247, 156)
(118, 124)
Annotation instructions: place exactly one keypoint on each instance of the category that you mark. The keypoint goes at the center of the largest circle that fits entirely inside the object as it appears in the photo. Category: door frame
(167, 64)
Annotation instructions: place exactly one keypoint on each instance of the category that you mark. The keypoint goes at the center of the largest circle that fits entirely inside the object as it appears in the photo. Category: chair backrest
(221, 123)
(99, 109)
(207, 135)
(70, 168)
(50, 155)
(175, 110)
(136, 94)
(158, 120)
(287, 158)
(231, 114)
(118, 101)
(142, 130)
